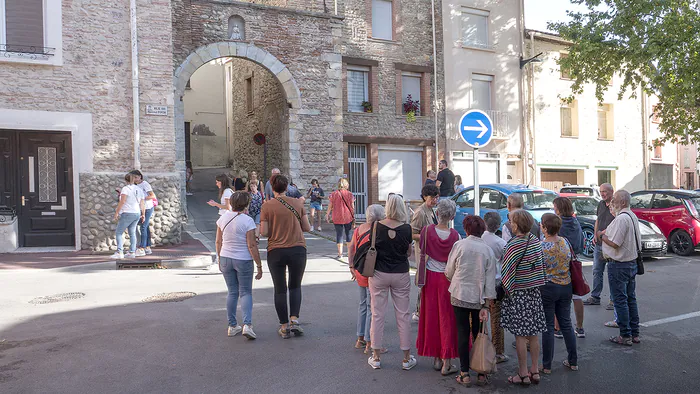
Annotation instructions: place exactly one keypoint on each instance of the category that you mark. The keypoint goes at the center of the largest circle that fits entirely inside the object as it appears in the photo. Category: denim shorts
(316, 205)
(256, 218)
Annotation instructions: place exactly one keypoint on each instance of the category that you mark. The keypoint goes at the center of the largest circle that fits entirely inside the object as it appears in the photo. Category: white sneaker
(376, 364)
(189, 194)
(130, 255)
(117, 255)
(415, 317)
(233, 331)
(248, 332)
(406, 365)
(319, 229)
(148, 250)
(140, 253)
(312, 228)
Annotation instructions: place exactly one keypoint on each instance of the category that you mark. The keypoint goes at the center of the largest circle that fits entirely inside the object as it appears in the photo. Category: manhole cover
(170, 297)
(57, 298)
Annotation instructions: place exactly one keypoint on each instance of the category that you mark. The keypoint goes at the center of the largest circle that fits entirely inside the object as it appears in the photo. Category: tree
(652, 44)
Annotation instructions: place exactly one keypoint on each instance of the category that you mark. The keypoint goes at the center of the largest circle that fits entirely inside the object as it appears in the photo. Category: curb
(188, 262)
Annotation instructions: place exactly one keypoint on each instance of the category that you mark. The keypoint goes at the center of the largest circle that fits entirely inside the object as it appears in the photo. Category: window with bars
(358, 87)
(22, 26)
(475, 28)
(481, 91)
(410, 86)
(382, 19)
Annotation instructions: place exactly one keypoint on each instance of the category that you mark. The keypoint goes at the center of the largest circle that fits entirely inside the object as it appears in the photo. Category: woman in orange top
(341, 205)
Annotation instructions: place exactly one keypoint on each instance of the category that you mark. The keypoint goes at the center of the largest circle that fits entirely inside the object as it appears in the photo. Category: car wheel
(588, 245)
(681, 243)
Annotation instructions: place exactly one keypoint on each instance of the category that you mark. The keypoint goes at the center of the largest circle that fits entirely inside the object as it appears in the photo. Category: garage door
(400, 171)
(488, 171)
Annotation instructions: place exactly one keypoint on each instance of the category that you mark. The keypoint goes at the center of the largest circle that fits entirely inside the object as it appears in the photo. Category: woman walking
(437, 327)
(471, 269)
(256, 202)
(144, 228)
(223, 183)
(283, 220)
(521, 311)
(341, 206)
(393, 244)
(360, 240)
(556, 293)
(130, 209)
(237, 248)
(315, 194)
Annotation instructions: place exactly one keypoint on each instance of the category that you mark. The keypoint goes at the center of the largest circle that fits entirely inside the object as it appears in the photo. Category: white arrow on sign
(482, 128)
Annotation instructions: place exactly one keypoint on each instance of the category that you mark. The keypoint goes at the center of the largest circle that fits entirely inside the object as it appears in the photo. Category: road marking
(670, 319)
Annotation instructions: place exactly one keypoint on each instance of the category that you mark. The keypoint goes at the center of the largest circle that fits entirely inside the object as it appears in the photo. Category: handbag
(370, 259)
(640, 259)
(352, 212)
(578, 280)
(500, 289)
(421, 268)
(483, 357)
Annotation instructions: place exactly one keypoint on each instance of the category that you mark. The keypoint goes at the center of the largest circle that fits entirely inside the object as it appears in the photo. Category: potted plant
(367, 106)
(411, 108)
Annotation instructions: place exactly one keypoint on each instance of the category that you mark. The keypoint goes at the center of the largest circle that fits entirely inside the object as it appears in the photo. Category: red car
(675, 212)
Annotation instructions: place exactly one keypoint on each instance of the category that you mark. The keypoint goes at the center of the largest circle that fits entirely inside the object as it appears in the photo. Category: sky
(539, 12)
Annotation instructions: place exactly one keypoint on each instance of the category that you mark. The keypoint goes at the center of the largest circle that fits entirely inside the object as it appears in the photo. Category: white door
(357, 161)
(488, 171)
(400, 171)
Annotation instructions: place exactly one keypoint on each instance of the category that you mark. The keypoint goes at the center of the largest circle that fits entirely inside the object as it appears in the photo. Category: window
(410, 86)
(663, 201)
(658, 150)
(605, 176)
(475, 28)
(466, 199)
(565, 72)
(655, 114)
(358, 87)
(641, 201)
(249, 94)
(481, 92)
(382, 19)
(605, 124)
(22, 26)
(567, 125)
(492, 199)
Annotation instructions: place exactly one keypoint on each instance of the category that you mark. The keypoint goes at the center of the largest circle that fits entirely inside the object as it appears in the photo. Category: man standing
(423, 216)
(603, 220)
(268, 186)
(445, 180)
(515, 202)
(621, 243)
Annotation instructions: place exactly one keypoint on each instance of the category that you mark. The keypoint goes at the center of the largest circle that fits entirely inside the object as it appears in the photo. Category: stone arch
(207, 53)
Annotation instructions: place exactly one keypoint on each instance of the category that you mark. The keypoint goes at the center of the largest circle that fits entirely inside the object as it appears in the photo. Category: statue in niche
(236, 33)
(236, 28)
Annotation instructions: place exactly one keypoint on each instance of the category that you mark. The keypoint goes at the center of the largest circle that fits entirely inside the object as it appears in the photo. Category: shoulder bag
(422, 260)
(291, 208)
(500, 290)
(352, 212)
(364, 262)
(640, 259)
(578, 280)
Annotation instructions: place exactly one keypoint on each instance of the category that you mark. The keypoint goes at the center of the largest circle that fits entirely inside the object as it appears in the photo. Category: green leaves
(651, 44)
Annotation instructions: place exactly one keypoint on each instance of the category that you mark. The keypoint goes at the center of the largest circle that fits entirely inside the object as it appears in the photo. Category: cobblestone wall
(98, 202)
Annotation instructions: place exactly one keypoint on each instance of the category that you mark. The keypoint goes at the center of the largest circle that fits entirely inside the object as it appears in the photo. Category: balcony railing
(500, 123)
(26, 51)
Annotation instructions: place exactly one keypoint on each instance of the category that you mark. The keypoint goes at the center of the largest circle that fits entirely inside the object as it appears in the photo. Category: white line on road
(670, 319)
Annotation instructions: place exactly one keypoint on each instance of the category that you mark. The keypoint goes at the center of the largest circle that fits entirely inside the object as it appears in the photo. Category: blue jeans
(238, 275)
(145, 230)
(556, 300)
(364, 314)
(598, 271)
(621, 276)
(127, 221)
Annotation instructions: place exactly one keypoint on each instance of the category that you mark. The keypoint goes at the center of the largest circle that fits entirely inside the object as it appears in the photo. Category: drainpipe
(524, 120)
(532, 110)
(435, 89)
(645, 138)
(135, 85)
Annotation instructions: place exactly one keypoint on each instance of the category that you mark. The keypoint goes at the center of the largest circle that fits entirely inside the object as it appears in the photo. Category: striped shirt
(525, 274)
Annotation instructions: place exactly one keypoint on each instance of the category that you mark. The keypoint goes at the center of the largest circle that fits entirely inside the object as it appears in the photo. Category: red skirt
(437, 327)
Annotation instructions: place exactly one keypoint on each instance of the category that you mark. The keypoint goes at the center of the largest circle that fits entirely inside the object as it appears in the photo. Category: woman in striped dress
(522, 313)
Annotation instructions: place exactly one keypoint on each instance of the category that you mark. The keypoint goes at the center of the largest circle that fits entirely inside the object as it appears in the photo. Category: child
(315, 193)
(189, 175)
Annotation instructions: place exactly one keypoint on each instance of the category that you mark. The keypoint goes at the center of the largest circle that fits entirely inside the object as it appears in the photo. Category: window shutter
(475, 28)
(24, 24)
(566, 129)
(382, 16)
(481, 92)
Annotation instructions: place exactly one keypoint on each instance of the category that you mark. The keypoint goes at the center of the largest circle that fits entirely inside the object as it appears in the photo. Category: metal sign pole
(264, 161)
(477, 200)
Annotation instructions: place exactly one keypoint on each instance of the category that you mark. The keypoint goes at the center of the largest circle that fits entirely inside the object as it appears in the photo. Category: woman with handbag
(392, 242)
(283, 220)
(522, 275)
(471, 270)
(237, 248)
(341, 205)
(360, 239)
(557, 292)
(437, 327)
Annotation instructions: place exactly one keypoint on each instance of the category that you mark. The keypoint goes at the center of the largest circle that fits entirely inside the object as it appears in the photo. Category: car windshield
(696, 202)
(538, 199)
(585, 206)
(578, 190)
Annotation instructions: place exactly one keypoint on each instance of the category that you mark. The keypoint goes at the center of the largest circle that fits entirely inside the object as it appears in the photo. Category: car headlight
(655, 227)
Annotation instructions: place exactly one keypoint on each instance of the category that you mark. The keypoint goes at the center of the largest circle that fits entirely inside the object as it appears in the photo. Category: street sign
(157, 110)
(259, 139)
(476, 128)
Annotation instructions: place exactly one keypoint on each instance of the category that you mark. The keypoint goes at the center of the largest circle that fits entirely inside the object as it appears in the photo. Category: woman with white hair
(393, 244)
(360, 239)
(437, 327)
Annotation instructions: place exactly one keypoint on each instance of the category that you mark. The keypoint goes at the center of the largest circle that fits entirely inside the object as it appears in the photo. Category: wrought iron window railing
(26, 51)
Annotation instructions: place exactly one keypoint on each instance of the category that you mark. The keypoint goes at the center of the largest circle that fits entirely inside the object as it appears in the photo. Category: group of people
(136, 203)
(445, 180)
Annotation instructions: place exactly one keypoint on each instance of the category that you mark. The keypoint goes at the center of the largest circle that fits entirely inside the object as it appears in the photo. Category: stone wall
(269, 116)
(98, 202)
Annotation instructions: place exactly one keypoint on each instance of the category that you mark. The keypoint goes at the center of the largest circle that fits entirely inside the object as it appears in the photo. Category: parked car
(653, 241)
(493, 197)
(675, 212)
(593, 191)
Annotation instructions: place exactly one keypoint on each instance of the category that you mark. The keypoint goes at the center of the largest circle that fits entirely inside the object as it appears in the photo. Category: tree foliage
(652, 44)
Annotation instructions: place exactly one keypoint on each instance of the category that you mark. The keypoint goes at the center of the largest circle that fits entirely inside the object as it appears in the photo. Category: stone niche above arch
(236, 28)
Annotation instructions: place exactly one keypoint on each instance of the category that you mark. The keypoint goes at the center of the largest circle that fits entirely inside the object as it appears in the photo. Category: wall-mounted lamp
(534, 59)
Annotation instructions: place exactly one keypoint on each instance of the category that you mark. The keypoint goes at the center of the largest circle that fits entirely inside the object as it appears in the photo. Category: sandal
(636, 340)
(532, 377)
(464, 379)
(360, 344)
(449, 371)
(437, 364)
(545, 371)
(621, 341)
(522, 381)
(482, 379)
(571, 367)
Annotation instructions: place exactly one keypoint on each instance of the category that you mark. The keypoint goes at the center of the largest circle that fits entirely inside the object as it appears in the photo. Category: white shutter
(382, 16)
(481, 92)
(566, 123)
(475, 28)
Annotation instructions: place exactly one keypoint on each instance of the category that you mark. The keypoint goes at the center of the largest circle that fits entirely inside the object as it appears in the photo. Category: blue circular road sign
(476, 128)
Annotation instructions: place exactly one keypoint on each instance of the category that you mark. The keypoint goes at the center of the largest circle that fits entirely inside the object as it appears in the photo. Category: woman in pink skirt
(437, 327)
